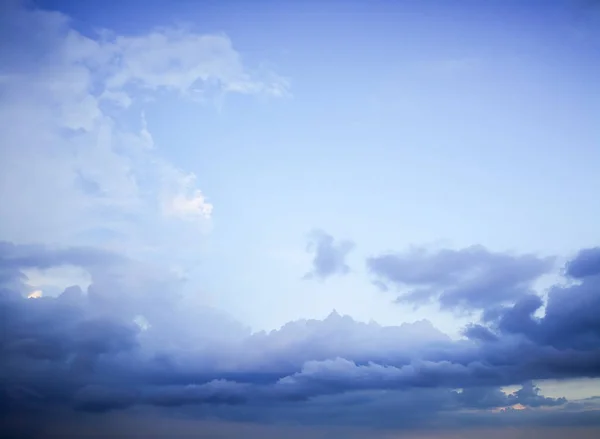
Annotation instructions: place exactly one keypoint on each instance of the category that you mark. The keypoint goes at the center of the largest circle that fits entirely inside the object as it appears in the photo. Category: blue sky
(272, 161)
(404, 124)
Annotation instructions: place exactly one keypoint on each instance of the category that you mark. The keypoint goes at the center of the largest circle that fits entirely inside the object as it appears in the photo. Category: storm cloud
(83, 350)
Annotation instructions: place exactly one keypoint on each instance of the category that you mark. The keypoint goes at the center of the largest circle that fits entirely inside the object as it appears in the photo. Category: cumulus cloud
(83, 350)
(329, 256)
(72, 123)
(467, 279)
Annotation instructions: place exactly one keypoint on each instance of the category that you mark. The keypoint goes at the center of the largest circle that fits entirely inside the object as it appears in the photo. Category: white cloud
(179, 60)
(71, 164)
(184, 201)
(194, 206)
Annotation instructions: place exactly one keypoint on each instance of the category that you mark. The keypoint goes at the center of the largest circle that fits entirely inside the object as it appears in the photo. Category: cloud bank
(83, 350)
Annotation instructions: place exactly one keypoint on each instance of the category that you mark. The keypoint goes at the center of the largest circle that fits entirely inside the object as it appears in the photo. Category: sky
(300, 219)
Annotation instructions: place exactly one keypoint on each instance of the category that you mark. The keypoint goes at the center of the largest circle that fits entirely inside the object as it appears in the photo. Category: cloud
(569, 320)
(83, 350)
(181, 200)
(329, 257)
(78, 160)
(529, 396)
(587, 263)
(91, 165)
(468, 279)
(178, 59)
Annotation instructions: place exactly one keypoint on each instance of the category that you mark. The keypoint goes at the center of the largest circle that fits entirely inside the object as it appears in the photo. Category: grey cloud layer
(82, 350)
(468, 279)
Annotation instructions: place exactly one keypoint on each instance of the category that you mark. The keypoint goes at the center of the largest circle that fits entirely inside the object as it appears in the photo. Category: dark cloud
(82, 351)
(570, 314)
(587, 263)
(483, 398)
(467, 279)
(329, 257)
(529, 396)
(492, 398)
(214, 392)
(478, 332)
(96, 398)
